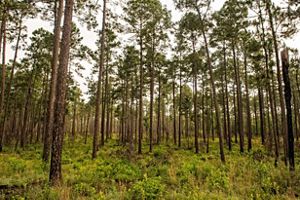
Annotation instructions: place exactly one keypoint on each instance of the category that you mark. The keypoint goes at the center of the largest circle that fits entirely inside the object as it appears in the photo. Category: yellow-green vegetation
(167, 173)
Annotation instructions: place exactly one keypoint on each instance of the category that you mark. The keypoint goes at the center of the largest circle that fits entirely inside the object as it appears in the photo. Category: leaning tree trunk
(8, 92)
(214, 93)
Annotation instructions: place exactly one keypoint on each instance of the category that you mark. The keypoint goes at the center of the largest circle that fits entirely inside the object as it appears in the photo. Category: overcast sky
(89, 37)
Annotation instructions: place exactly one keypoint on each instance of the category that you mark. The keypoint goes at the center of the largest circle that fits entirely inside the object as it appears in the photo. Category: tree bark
(227, 104)
(51, 100)
(214, 95)
(280, 90)
(174, 109)
(195, 100)
(249, 121)
(151, 104)
(55, 176)
(179, 108)
(141, 90)
(261, 114)
(3, 71)
(74, 120)
(288, 97)
(98, 93)
(159, 110)
(239, 99)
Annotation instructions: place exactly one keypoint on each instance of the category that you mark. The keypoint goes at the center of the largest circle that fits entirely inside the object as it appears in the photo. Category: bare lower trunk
(98, 93)
(3, 76)
(288, 97)
(51, 100)
(55, 176)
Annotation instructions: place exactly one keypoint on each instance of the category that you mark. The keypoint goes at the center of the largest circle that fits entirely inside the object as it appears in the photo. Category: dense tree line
(222, 75)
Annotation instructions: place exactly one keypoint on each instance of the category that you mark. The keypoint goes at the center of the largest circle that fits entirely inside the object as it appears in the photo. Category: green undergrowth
(166, 173)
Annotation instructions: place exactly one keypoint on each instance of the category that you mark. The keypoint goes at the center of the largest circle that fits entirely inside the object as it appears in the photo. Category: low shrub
(147, 189)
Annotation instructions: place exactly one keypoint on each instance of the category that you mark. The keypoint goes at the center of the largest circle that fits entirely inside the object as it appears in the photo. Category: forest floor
(167, 173)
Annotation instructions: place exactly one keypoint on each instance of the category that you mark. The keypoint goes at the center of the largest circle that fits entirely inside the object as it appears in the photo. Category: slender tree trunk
(12, 72)
(54, 64)
(239, 99)
(136, 113)
(203, 122)
(255, 115)
(163, 118)
(225, 119)
(112, 119)
(131, 145)
(104, 105)
(288, 97)
(261, 114)
(151, 105)
(281, 99)
(98, 93)
(295, 100)
(159, 111)
(214, 95)
(227, 102)
(179, 108)
(87, 126)
(14, 124)
(249, 122)
(203, 108)
(174, 110)
(42, 106)
(275, 120)
(195, 101)
(269, 129)
(27, 105)
(74, 120)
(107, 115)
(141, 91)
(19, 128)
(55, 176)
(235, 113)
(6, 109)
(269, 88)
(187, 132)
(224, 113)
(3, 76)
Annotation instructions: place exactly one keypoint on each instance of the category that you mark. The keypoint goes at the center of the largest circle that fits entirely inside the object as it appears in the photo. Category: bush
(125, 171)
(204, 171)
(16, 165)
(218, 180)
(84, 189)
(258, 155)
(147, 189)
